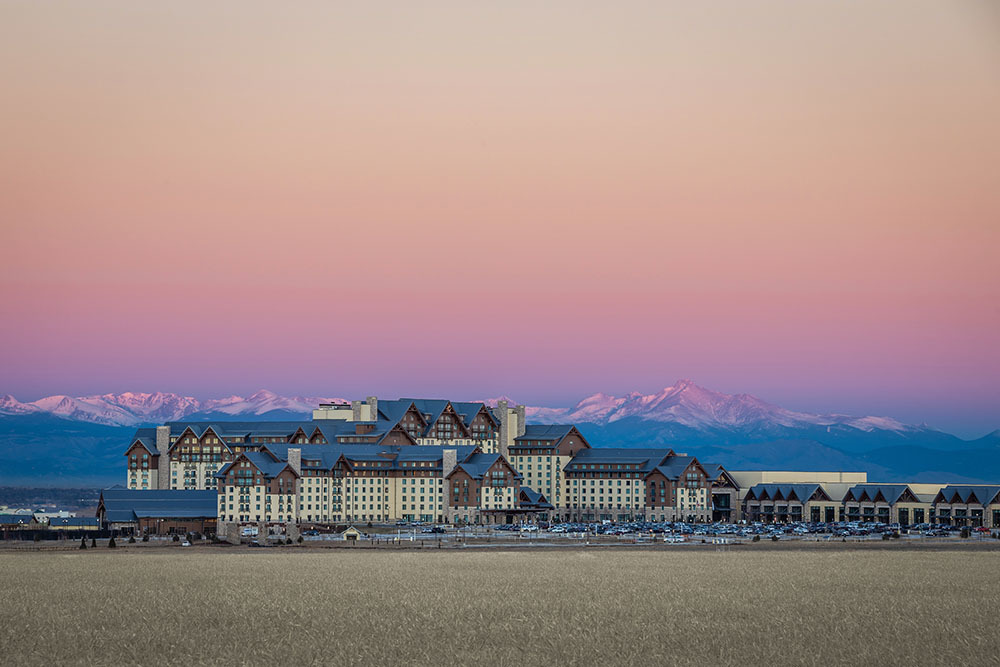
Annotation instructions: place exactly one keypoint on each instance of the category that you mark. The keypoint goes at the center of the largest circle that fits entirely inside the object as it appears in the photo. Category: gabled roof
(673, 467)
(147, 438)
(716, 473)
(265, 463)
(429, 408)
(477, 465)
(269, 466)
(393, 411)
(331, 428)
(226, 429)
(395, 455)
(16, 519)
(470, 410)
(968, 494)
(888, 493)
(799, 492)
(530, 499)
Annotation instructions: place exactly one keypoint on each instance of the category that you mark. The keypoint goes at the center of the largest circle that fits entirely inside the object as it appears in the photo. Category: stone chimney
(503, 416)
(163, 449)
(356, 410)
(372, 402)
(449, 459)
(295, 459)
(520, 422)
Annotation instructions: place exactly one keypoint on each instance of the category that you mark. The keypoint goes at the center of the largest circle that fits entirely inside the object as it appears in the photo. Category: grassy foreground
(499, 607)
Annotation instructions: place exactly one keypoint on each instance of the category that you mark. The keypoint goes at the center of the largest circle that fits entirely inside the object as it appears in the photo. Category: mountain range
(687, 404)
(739, 430)
(687, 413)
(136, 409)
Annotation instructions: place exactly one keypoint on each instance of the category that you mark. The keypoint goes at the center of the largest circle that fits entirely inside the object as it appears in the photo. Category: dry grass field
(764, 607)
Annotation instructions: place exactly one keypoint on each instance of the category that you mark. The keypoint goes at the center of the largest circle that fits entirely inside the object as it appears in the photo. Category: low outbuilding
(351, 534)
(158, 512)
(74, 523)
(17, 521)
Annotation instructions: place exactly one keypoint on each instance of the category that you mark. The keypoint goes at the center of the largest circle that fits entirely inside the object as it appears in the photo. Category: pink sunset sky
(799, 200)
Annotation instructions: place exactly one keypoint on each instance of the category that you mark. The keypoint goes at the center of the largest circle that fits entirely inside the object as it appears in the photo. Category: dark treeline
(20, 496)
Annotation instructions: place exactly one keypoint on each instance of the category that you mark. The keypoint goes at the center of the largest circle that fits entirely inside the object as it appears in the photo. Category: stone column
(228, 532)
(295, 459)
(163, 449)
(292, 531)
(449, 459)
(503, 416)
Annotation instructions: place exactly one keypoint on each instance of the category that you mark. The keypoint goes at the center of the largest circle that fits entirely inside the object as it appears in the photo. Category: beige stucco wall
(134, 478)
(747, 478)
(341, 412)
(204, 474)
(544, 474)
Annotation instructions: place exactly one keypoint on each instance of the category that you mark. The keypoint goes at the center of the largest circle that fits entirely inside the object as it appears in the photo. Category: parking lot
(655, 532)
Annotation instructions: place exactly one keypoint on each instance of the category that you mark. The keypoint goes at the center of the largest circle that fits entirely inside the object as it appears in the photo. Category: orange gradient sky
(796, 200)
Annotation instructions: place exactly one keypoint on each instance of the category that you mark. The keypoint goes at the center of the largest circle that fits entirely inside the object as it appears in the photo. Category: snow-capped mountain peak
(684, 403)
(688, 404)
(135, 408)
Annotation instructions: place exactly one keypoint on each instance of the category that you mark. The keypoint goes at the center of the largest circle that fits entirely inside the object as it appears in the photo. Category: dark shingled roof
(965, 494)
(242, 429)
(127, 505)
(713, 470)
(16, 519)
(531, 499)
(147, 438)
(647, 459)
(477, 465)
(547, 432)
(391, 412)
(75, 521)
(891, 492)
(328, 455)
(470, 410)
(802, 492)
(674, 466)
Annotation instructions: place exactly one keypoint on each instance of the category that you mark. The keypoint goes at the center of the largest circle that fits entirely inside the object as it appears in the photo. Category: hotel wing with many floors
(414, 460)
(445, 461)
